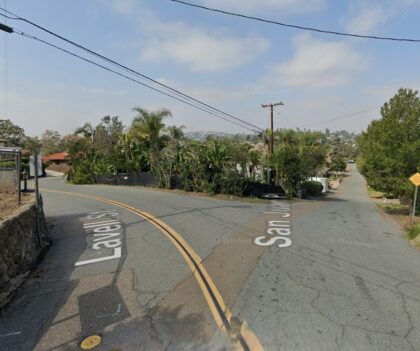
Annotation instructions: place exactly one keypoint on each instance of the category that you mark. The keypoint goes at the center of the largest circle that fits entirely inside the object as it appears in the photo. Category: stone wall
(19, 248)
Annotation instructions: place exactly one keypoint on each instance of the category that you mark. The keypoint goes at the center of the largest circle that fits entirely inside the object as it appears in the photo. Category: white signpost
(32, 165)
(35, 170)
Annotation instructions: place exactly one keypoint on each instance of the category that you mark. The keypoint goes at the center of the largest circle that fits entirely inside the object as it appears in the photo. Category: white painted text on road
(105, 230)
(278, 231)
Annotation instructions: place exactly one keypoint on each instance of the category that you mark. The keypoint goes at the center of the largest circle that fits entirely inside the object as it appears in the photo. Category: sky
(231, 63)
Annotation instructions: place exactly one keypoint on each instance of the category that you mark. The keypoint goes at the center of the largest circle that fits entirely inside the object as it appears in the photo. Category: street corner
(92, 307)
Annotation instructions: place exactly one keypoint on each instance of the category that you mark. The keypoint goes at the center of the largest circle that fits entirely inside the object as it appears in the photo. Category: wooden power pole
(272, 123)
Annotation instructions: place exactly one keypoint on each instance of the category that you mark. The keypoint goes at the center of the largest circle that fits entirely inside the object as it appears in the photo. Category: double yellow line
(241, 336)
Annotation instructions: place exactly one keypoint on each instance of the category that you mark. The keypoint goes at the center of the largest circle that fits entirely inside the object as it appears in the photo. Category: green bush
(413, 231)
(82, 173)
(232, 183)
(7, 164)
(313, 188)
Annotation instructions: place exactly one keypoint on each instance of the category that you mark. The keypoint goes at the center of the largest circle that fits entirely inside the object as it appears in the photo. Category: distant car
(350, 161)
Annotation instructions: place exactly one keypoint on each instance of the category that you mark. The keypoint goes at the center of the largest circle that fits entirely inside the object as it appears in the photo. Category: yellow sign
(415, 179)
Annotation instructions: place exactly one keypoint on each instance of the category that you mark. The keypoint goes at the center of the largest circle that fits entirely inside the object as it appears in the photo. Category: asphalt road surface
(154, 270)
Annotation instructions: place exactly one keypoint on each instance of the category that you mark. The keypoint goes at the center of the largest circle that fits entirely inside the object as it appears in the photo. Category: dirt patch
(8, 203)
(63, 168)
(400, 213)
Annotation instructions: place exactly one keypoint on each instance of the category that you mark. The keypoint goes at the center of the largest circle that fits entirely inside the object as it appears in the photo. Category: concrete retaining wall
(7, 181)
(19, 249)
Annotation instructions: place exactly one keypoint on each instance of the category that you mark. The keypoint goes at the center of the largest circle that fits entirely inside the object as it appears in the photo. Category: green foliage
(390, 148)
(338, 164)
(216, 165)
(232, 183)
(129, 155)
(51, 142)
(32, 144)
(14, 135)
(287, 163)
(164, 164)
(413, 231)
(147, 127)
(297, 156)
(313, 188)
(7, 164)
(82, 156)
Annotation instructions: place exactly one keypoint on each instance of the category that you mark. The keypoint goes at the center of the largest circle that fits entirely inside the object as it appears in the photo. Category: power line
(344, 58)
(129, 78)
(115, 63)
(343, 117)
(318, 30)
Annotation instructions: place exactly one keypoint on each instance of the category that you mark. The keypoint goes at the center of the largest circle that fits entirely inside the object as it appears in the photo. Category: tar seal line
(106, 235)
(278, 230)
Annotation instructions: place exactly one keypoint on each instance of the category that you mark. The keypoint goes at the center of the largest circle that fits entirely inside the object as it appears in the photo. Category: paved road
(152, 270)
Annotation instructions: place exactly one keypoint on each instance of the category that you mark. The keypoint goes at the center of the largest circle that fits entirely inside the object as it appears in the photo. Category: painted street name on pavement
(105, 228)
(278, 230)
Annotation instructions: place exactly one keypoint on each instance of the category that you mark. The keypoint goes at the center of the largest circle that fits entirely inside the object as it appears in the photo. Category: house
(56, 159)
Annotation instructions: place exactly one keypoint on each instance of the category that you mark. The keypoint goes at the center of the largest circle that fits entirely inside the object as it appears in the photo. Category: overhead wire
(23, 34)
(309, 29)
(312, 29)
(343, 117)
(115, 63)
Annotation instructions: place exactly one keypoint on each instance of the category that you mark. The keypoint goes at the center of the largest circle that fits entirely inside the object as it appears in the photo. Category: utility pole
(272, 123)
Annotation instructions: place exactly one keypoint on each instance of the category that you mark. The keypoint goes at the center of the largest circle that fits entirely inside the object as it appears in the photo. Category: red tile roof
(61, 156)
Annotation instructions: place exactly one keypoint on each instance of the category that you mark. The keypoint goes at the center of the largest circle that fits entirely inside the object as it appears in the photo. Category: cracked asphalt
(349, 281)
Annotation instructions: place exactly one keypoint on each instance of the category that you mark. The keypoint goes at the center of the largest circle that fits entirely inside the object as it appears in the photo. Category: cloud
(72, 89)
(290, 6)
(202, 51)
(317, 63)
(367, 20)
(368, 17)
(124, 6)
(384, 92)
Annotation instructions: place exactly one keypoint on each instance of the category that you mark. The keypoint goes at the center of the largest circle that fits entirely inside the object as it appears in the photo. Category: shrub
(7, 164)
(413, 231)
(232, 183)
(313, 188)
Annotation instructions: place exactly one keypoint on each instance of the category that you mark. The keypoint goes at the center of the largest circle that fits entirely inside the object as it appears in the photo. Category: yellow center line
(243, 338)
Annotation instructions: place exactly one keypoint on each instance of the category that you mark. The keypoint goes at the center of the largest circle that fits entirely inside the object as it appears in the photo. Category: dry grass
(374, 194)
(400, 213)
(394, 208)
(8, 203)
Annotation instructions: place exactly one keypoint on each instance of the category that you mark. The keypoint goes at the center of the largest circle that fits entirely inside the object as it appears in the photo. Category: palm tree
(86, 131)
(148, 125)
(175, 133)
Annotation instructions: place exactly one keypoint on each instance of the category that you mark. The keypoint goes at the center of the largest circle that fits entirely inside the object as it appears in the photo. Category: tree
(216, 158)
(390, 148)
(51, 142)
(164, 163)
(129, 156)
(287, 163)
(147, 126)
(107, 134)
(327, 132)
(86, 131)
(32, 144)
(14, 135)
(175, 133)
(81, 154)
(192, 167)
